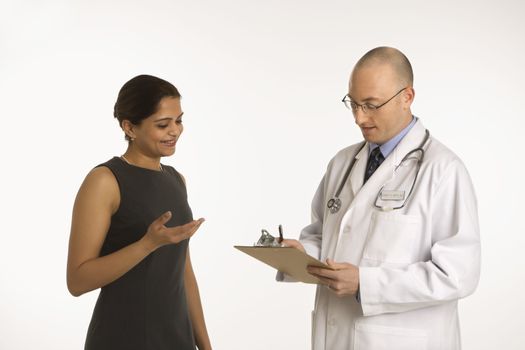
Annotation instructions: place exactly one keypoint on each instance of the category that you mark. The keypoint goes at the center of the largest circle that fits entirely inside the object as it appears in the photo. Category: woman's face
(158, 134)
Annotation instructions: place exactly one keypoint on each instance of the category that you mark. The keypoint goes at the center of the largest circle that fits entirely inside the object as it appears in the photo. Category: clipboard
(289, 260)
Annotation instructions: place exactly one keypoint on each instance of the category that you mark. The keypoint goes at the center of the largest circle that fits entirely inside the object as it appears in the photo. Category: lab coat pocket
(368, 336)
(391, 237)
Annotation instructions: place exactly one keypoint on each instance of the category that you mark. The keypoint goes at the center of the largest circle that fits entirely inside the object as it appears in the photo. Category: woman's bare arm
(97, 200)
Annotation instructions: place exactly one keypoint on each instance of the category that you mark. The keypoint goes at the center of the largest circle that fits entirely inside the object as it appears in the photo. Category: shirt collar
(387, 147)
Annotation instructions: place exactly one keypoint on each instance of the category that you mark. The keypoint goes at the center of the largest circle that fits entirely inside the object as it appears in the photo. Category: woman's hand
(159, 235)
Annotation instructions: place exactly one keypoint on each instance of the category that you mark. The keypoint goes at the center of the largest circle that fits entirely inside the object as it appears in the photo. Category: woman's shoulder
(100, 186)
(171, 170)
(101, 173)
(101, 178)
(112, 164)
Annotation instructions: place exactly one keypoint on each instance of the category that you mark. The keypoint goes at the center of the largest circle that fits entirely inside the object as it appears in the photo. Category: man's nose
(359, 116)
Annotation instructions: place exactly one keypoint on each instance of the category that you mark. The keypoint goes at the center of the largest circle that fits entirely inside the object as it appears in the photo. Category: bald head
(398, 62)
(382, 82)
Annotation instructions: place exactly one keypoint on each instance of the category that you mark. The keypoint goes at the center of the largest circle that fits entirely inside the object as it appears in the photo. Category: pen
(281, 233)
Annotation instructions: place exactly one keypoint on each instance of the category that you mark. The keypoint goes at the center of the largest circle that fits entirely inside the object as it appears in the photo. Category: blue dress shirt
(387, 147)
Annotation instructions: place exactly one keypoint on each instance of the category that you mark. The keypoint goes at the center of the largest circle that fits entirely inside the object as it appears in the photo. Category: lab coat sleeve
(451, 273)
(310, 236)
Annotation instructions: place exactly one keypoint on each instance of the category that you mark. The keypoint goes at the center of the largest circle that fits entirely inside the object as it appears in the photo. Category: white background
(261, 84)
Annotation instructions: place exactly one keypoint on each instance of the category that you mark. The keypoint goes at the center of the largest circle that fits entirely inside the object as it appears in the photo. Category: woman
(130, 230)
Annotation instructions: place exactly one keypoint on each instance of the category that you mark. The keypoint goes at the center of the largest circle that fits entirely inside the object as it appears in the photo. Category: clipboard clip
(267, 240)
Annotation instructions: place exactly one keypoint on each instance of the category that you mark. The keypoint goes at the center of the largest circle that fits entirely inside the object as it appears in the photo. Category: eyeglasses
(365, 107)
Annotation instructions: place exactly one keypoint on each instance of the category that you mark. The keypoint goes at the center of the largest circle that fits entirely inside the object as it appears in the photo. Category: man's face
(374, 84)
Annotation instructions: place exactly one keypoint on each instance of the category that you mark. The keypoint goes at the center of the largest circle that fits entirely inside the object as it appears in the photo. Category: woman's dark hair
(139, 98)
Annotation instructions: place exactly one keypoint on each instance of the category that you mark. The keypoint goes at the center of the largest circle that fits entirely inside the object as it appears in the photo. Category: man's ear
(408, 96)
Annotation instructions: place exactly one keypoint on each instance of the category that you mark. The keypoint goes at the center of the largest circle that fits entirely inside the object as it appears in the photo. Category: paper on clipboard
(289, 260)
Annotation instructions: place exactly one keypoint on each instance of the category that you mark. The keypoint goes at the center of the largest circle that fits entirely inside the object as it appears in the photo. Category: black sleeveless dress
(146, 308)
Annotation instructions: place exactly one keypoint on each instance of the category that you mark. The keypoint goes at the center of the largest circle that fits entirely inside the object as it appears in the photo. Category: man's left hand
(342, 280)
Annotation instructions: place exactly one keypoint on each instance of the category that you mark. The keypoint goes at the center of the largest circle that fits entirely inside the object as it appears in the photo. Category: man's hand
(294, 244)
(342, 280)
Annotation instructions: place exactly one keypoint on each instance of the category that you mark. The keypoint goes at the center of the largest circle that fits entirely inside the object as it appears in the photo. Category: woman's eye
(162, 126)
(179, 121)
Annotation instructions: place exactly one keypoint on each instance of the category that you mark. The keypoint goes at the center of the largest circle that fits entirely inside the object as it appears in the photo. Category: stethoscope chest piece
(334, 205)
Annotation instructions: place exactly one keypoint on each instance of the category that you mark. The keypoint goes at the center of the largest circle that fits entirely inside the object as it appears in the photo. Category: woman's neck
(140, 160)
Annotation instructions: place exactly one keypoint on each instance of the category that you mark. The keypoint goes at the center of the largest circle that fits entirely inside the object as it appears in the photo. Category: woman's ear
(128, 129)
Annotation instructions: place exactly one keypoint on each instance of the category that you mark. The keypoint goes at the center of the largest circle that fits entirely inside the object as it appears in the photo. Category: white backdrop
(261, 84)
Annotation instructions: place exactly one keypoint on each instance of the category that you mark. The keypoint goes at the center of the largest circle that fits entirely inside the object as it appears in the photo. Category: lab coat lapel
(386, 170)
(366, 194)
(361, 193)
(358, 172)
(411, 141)
(347, 196)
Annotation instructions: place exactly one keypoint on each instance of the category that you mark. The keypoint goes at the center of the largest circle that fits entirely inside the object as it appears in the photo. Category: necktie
(374, 161)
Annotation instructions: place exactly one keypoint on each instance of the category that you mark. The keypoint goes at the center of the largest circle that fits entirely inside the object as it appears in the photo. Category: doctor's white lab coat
(414, 263)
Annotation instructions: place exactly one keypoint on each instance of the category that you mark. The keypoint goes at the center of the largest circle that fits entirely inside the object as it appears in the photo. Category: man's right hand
(294, 244)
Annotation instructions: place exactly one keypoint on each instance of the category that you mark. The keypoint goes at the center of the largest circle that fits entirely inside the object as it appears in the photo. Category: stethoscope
(334, 204)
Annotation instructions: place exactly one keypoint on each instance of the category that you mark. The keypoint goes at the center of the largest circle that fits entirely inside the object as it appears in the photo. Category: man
(399, 232)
